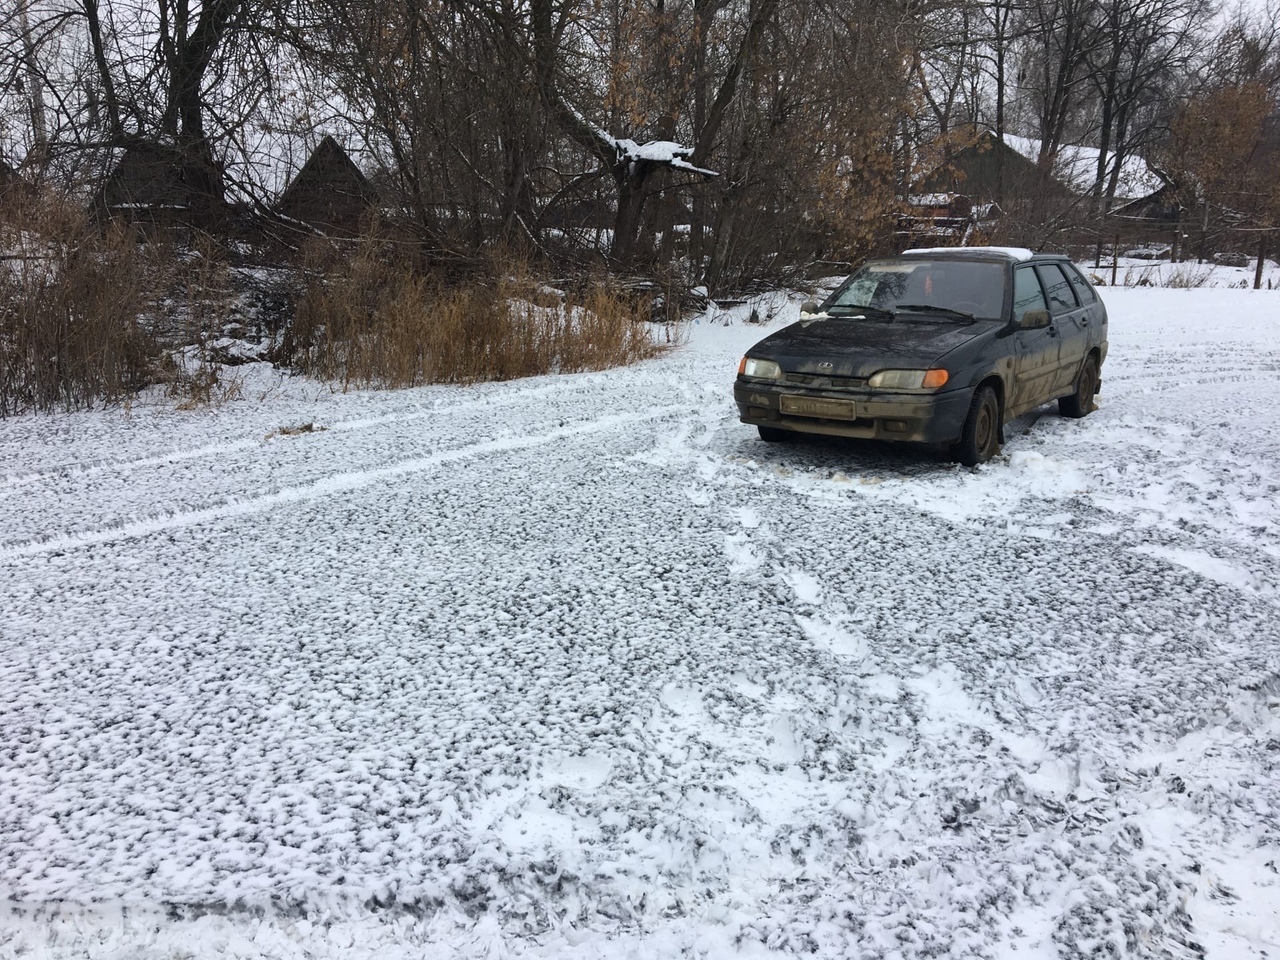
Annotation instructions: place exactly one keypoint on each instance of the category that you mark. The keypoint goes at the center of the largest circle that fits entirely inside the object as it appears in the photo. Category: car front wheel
(1080, 403)
(980, 439)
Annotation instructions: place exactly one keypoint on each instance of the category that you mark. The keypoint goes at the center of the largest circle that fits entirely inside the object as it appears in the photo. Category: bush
(71, 298)
(377, 322)
(1188, 276)
(90, 316)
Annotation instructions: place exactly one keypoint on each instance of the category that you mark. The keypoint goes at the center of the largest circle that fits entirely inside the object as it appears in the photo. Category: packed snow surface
(579, 667)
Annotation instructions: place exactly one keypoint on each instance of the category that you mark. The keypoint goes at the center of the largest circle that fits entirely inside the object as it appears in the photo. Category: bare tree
(1143, 46)
(1061, 36)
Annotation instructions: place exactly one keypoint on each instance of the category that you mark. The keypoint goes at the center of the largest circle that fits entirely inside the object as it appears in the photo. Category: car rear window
(1061, 297)
(1084, 290)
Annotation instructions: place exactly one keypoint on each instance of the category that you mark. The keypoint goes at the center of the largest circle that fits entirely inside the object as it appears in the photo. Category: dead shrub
(71, 297)
(1188, 276)
(376, 322)
(88, 315)
(196, 305)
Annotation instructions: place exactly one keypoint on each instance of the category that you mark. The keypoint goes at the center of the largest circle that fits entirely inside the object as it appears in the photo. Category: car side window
(1080, 285)
(1061, 297)
(1027, 294)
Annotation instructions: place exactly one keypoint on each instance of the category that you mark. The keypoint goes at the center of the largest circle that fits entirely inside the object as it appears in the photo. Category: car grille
(824, 383)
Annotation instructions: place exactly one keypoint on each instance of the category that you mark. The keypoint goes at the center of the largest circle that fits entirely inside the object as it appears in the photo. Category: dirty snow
(578, 667)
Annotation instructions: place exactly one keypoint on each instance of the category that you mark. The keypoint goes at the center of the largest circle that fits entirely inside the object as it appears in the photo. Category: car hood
(858, 348)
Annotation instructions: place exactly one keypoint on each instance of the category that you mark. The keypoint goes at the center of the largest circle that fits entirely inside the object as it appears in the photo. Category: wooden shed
(12, 186)
(974, 171)
(155, 185)
(329, 192)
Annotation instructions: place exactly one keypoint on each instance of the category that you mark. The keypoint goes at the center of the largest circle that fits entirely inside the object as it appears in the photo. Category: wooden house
(12, 185)
(329, 192)
(156, 186)
(990, 170)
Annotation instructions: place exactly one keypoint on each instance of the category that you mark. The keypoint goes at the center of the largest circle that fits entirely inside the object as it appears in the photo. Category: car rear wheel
(980, 439)
(774, 435)
(1080, 403)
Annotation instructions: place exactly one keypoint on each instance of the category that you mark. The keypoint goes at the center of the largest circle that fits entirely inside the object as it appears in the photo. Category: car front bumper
(916, 418)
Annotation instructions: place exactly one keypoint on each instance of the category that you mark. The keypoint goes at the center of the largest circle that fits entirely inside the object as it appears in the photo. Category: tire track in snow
(329, 486)
(440, 408)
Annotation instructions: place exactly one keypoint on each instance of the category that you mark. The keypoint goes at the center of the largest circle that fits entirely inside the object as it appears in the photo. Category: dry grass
(376, 323)
(90, 316)
(1188, 276)
(196, 304)
(71, 298)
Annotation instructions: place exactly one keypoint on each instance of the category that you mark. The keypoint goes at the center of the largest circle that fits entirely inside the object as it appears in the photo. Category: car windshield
(955, 288)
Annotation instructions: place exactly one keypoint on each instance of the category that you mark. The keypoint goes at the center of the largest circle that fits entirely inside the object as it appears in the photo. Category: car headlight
(759, 369)
(908, 379)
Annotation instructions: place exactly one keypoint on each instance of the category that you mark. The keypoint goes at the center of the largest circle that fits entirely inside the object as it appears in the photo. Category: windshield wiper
(930, 308)
(846, 309)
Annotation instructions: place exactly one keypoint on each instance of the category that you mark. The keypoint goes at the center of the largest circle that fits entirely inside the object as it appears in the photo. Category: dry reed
(375, 323)
(71, 298)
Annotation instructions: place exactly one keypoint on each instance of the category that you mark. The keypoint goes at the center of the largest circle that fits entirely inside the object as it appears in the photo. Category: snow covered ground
(578, 667)
(1135, 272)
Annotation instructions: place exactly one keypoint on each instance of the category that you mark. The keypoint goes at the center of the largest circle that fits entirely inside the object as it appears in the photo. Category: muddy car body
(933, 346)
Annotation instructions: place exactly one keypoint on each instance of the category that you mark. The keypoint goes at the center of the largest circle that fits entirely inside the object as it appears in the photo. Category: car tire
(1080, 403)
(774, 435)
(980, 438)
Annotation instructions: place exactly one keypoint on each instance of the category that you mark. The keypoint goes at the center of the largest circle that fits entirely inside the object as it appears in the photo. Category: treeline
(726, 139)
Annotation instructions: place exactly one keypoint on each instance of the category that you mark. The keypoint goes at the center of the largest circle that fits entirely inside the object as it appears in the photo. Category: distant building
(974, 170)
(12, 185)
(988, 169)
(156, 186)
(329, 192)
(1160, 207)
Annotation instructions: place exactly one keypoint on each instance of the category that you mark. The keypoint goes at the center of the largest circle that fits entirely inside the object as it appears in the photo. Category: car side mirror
(809, 307)
(1034, 320)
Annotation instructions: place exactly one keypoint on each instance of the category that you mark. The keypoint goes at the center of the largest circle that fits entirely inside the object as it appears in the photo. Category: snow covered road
(578, 667)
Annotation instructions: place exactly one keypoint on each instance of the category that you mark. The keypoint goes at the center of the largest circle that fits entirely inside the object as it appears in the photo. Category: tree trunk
(35, 90)
(1000, 148)
(110, 102)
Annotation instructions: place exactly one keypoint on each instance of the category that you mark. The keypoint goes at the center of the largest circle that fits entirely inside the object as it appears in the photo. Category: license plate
(817, 407)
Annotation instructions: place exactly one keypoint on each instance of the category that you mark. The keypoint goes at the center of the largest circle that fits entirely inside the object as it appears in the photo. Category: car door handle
(1053, 331)
(1084, 321)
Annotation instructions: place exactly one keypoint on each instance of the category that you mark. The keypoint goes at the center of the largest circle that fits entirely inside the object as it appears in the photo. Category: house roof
(329, 189)
(983, 168)
(1077, 167)
(154, 177)
(10, 179)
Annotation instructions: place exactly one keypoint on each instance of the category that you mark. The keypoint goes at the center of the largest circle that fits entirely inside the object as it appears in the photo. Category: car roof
(979, 253)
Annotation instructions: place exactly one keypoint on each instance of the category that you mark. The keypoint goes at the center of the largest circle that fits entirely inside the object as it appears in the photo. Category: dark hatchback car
(934, 346)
